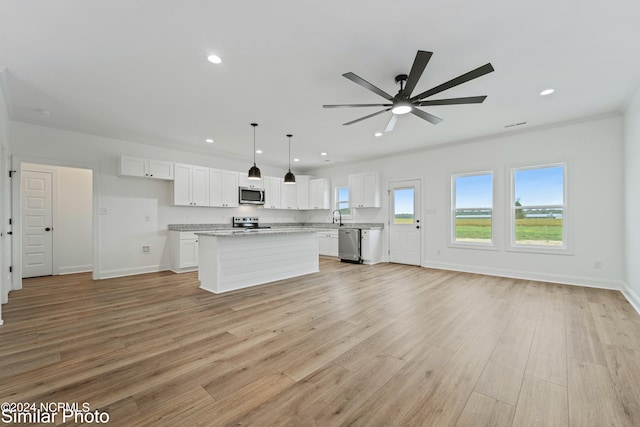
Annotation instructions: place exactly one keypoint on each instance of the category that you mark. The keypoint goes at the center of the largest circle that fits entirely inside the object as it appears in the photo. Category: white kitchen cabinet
(184, 251)
(328, 242)
(302, 188)
(319, 194)
(371, 246)
(244, 181)
(296, 196)
(272, 191)
(223, 188)
(146, 168)
(289, 194)
(190, 185)
(364, 190)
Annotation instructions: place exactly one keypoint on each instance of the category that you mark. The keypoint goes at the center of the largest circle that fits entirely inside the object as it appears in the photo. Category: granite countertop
(252, 232)
(318, 226)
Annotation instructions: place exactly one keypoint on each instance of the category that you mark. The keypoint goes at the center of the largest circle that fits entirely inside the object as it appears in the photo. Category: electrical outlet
(147, 218)
(597, 264)
(146, 249)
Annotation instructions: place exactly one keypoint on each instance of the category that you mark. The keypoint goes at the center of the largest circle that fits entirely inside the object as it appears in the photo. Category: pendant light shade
(254, 172)
(289, 177)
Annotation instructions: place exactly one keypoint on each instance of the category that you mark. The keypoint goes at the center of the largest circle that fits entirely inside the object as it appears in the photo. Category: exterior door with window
(405, 233)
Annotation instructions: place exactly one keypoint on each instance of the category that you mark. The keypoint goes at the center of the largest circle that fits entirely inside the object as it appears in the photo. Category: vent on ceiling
(515, 124)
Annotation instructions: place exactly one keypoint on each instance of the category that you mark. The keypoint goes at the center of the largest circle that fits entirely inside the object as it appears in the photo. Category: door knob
(47, 229)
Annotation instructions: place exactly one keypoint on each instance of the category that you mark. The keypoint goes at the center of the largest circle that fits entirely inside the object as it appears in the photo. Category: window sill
(480, 246)
(540, 250)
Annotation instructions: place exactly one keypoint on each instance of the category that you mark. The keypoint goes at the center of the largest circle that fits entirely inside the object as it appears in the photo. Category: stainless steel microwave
(251, 196)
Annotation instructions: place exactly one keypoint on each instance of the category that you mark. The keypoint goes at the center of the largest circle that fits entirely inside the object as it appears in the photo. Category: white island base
(236, 260)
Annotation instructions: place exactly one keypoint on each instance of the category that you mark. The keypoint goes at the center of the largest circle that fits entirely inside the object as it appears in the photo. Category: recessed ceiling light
(377, 134)
(259, 151)
(296, 160)
(323, 154)
(209, 140)
(214, 59)
(547, 92)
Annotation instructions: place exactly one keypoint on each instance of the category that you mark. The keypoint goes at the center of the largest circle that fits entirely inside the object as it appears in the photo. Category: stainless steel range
(247, 222)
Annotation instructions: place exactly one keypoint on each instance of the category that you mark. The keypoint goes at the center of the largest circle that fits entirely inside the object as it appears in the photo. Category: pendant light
(254, 172)
(289, 177)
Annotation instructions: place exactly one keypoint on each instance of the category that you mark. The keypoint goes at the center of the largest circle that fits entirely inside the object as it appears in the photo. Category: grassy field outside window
(472, 200)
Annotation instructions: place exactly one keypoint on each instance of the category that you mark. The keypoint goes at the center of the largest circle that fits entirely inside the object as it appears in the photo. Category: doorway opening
(56, 220)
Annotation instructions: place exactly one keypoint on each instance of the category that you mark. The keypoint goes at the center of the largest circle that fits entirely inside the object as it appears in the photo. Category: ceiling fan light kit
(403, 102)
(254, 172)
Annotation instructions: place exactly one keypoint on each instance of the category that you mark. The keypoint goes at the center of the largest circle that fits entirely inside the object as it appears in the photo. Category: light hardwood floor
(380, 345)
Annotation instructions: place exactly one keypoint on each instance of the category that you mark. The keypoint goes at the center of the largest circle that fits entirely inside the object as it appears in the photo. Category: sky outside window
(540, 187)
(474, 191)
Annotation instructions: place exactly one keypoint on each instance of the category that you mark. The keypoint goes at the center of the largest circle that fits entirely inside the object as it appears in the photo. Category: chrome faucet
(333, 217)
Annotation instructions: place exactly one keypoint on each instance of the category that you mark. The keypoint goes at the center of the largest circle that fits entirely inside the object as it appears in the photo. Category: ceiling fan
(404, 103)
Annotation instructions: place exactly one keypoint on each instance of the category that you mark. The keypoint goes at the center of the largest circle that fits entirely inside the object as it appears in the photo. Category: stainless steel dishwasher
(349, 245)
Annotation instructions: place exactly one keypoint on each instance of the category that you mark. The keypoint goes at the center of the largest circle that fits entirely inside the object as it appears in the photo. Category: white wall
(593, 150)
(72, 217)
(5, 245)
(632, 199)
(125, 202)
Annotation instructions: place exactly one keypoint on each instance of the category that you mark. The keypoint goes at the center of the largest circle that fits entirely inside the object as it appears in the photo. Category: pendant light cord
(254, 142)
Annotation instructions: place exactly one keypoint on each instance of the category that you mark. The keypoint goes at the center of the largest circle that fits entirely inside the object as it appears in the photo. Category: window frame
(452, 216)
(564, 249)
(336, 205)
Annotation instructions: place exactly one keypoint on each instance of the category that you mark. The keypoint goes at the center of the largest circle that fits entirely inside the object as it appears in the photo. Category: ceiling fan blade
(356, 105)
(419, 64)
(426, 116)
(365, 84)
(453, 101)
(473, 74)
(365, 117)
(392, 123)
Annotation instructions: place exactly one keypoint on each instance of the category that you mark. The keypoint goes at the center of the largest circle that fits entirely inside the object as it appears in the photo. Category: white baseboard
(632, 297)
(121, 272)
(616, 285)
(75, 269)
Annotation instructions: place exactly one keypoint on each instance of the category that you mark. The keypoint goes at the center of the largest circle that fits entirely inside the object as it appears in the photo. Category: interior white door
(37, 229)
(405, 234)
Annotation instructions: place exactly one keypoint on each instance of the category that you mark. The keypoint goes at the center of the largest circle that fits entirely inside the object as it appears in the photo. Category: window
(539, 207)
(342, 201)
(472, 208)
(404, 206)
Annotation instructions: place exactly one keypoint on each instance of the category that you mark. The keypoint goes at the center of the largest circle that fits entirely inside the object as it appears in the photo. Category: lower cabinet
(371, 246)
(328, 243)
(184, 251)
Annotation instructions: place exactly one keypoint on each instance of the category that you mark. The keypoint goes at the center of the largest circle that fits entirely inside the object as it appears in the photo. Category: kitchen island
(236, 259)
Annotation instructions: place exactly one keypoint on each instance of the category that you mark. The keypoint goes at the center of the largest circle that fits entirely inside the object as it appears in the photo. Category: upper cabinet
(190, 185)
(272, 192)
(319, 194)
(296, 196)
(146, 168)
(364, 190)
(289, 194)
(302, 188)
(223, 188)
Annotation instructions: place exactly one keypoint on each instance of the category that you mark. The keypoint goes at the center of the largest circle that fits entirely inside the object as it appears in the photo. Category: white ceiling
(136, 69)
